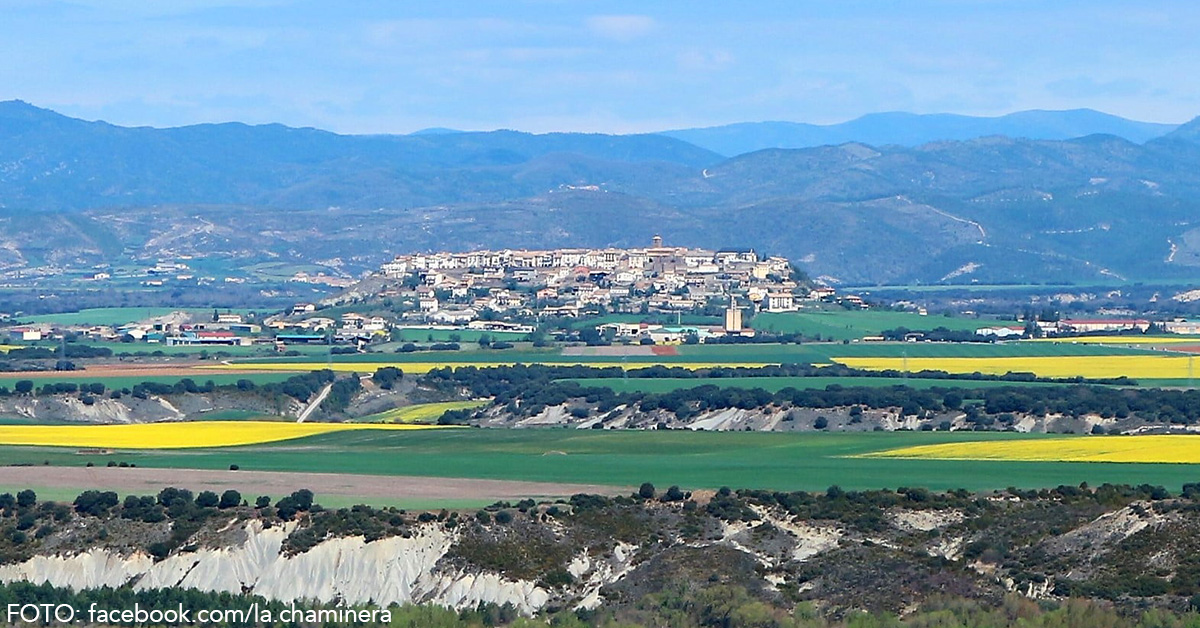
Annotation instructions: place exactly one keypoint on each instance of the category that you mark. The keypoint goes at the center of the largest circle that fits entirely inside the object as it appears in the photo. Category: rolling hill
(52, 162)
(990, 209)
(909, 129)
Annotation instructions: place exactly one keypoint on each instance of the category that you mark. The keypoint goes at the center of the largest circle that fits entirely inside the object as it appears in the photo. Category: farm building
(1084, 325)
(207, 338)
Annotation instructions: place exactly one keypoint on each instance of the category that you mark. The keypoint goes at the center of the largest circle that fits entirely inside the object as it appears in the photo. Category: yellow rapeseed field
(1124, 340)
(1164, 448)
(1090, 366)
(176, 435)
(418, 368)
(420, 413)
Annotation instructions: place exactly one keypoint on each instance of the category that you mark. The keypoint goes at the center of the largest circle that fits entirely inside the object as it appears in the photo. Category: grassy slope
(694, 460)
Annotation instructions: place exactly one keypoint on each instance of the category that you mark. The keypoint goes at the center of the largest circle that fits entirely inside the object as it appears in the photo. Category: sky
(577, 65)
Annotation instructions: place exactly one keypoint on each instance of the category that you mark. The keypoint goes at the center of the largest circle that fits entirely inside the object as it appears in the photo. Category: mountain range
(910, 129)
(990, 209)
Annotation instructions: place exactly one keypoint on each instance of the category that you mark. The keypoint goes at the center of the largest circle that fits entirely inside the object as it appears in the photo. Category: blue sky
(614, 66)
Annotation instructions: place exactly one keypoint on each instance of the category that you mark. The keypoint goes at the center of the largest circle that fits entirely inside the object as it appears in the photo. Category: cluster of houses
(177, 328)
(229, 329)
(349, 327)
(472, 290)
(454, 288)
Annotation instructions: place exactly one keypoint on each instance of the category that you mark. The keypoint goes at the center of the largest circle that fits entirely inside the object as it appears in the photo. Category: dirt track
(253, 483)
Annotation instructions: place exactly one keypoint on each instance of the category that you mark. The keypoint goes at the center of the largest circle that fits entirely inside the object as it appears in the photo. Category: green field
(775, 384)
(1167, 383)
(281, 270)
(850, 325)
(659, 319)
(774, 353)
(778, 461)
(969, 349)
(118, 315)
(24, 420)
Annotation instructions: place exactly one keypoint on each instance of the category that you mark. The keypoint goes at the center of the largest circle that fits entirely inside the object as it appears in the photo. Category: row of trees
(527, 390)
(300, 387)
(479, 375)
(50, 353)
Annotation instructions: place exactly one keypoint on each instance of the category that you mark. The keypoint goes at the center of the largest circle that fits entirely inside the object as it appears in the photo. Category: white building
(781, 302)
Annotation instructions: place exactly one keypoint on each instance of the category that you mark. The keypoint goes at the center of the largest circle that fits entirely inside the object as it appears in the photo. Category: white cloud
(621, 27)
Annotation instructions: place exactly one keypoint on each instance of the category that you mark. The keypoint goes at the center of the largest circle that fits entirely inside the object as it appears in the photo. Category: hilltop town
(453, 287)
(518, 292)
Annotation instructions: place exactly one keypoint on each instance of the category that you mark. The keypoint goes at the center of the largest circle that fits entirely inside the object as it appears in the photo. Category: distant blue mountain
(1188, 132)
(436, 130)
(1110, 202)
(910, 129)
(51, 161)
